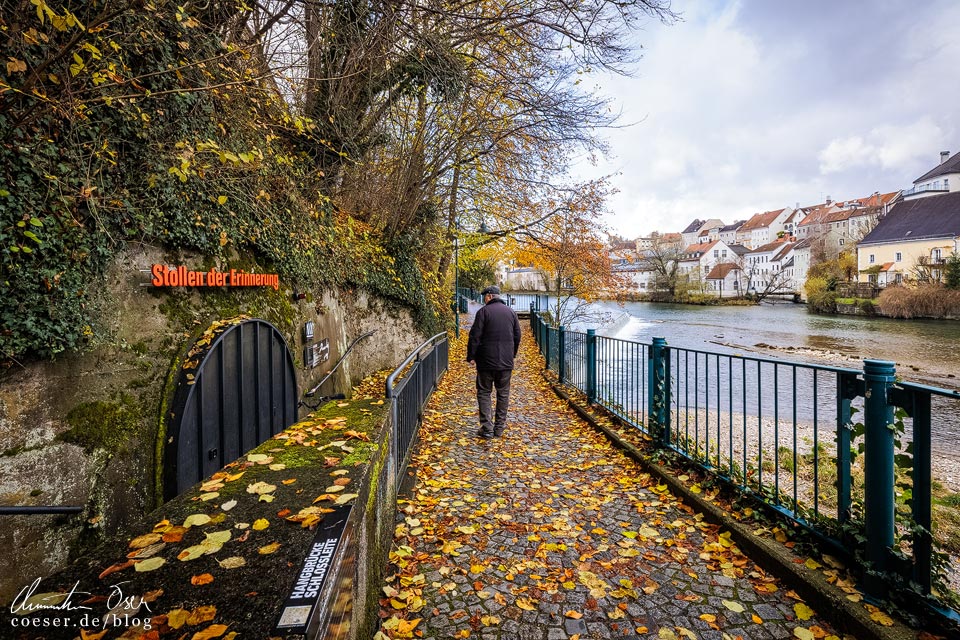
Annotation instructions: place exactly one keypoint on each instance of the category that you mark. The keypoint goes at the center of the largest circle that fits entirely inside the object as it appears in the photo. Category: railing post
(658, 407)
(561, 351)
(878, 471)
(846, 391)
(546, 347)
(591, 366)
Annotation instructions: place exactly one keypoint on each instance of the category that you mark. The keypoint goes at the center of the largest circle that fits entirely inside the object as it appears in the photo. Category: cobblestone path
(550, 533)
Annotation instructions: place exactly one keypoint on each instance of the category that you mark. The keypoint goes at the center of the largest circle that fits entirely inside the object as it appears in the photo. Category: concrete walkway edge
(810, 584)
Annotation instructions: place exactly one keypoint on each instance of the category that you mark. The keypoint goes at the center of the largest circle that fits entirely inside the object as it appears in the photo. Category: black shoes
(486, 435)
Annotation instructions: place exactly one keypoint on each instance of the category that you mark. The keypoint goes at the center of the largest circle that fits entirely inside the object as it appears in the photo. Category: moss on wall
(103, 425)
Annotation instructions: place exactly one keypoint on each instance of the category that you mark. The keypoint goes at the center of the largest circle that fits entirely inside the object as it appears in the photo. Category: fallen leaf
(269, 548)
(213, 631)
(260, 524)
(145, 540)
(120, 566)
(803, 611)
(576, 615)
(229, 504)
(233, 562)
(733, 606)
(196, 520)
(150, 564)
(203, 578)
(202, 614)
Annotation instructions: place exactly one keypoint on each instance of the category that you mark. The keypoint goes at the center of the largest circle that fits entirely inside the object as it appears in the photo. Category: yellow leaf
(150, 564)
(803, 611)
(803, 634)
(222, 200)
(733, 606)
(757, 619)
(525, 604)
(881, 618)
(270, 548)
(345, 498)
(812, 564)
(576, 615)
(708, 617)
(467, 529)
(196, 520)
(260, 524)
(261, 488)
(177, 618)
(233, 562)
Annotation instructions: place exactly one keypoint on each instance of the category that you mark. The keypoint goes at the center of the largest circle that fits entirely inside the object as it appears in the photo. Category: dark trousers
(487, 379)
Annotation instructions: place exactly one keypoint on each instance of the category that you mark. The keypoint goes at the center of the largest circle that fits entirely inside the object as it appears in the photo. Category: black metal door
(242, 392)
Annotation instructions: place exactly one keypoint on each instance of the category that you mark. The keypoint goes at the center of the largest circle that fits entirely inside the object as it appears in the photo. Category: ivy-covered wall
(86, 428)
(128, 121)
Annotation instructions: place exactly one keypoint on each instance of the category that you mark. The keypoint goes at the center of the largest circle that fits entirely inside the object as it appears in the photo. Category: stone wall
(85, 429)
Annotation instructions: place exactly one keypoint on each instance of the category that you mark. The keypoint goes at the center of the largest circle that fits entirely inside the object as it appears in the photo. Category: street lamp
(456, 274)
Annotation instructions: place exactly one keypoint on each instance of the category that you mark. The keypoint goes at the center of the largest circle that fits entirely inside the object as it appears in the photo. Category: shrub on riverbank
(698, 299)
(924, 301)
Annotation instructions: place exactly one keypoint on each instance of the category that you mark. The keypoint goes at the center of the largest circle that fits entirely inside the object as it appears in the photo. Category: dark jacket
(494, 336)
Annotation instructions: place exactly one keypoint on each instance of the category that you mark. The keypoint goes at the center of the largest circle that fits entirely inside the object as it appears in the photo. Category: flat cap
(495, 290)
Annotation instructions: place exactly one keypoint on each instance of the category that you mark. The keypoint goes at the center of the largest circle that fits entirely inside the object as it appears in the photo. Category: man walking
(493, 343)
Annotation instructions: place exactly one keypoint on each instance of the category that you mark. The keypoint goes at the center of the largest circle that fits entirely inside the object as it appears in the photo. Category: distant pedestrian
(494, 340)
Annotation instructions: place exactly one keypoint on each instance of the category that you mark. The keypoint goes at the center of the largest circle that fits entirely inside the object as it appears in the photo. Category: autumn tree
(570, 252)
(663, 256)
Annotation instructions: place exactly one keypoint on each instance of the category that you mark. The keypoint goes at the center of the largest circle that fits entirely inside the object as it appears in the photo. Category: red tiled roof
(760, 220)
(701, 248)
(721, 271)
(886, 266)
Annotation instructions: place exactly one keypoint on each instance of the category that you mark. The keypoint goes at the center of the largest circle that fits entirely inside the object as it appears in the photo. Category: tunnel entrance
(242, 391)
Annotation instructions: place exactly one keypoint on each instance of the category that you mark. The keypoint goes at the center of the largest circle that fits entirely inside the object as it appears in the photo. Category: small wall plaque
(308, 331)
(316, 354)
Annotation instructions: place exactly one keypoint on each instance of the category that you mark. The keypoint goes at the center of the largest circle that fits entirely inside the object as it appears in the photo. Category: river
(925, 351)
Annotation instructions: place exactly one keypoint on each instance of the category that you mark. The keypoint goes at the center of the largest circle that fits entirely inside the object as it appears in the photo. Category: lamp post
(456, 285)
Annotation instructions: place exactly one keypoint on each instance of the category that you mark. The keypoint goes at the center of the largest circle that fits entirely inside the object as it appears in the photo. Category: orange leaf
(283, 513)
(84, 635)
(575, 615)
(213, 631)
(203, 578)
(174, 534)
(120, 566)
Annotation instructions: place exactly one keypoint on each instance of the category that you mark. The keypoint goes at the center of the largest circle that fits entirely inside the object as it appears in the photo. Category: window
(716, 253)
(841, 242)
(872, 259)
(898, 257)
(724, 253)
(898, 278)
(936, 255)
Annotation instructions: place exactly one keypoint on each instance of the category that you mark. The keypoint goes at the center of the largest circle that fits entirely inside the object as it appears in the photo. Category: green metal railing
(783, 431)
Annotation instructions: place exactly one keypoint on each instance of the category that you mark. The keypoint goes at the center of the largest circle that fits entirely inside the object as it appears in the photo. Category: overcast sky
(755, 105)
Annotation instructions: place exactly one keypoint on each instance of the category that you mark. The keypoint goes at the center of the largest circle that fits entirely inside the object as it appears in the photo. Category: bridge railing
(789, 433)
(409, 387)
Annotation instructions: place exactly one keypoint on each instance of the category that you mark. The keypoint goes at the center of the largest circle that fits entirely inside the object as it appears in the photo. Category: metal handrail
(414, 355)
(337, 365)
(39, 510)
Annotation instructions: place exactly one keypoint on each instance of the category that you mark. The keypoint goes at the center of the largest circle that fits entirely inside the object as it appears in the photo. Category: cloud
(751, 105)
(886, 147)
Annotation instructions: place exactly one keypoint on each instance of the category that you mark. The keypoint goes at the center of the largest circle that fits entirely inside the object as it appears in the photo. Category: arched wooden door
(242, 391)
